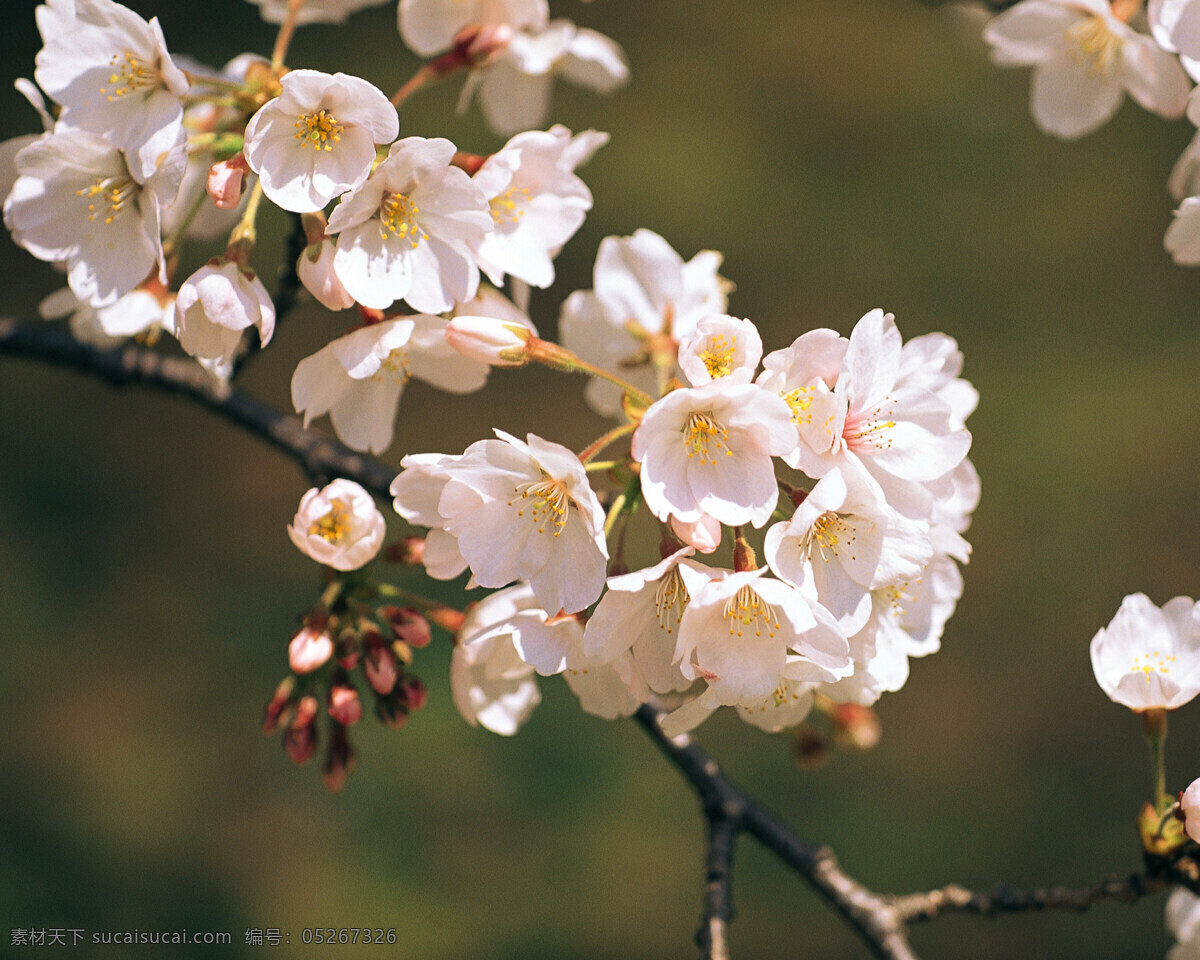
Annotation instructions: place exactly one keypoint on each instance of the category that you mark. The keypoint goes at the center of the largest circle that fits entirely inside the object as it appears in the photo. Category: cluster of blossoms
(843, 458)
(1088, 54)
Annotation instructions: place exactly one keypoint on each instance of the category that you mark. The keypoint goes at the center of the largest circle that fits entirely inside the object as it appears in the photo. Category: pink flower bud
(339, 761)
(500, 343)
(703, 534)
(278, 707)
(409, 626)
(227, 181)
(300, 741)
(344, 705)
(408, 551)
(315, 270)
(381, 669)
(309, 650)
(412, 694)
(1189, 806)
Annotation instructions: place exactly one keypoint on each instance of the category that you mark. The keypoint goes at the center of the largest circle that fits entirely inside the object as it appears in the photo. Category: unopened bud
(300, 741)
(855, 727)
(499, 343)
(227, 181)
(390, 712)
(344, 705)
(339, 760)
(309, 650)
(381, 669)
(744, 558)
(315, 270)
(349, 650)
(278, 706)
(446, 618)
(703, 534)
(408, 625)
(412, 694)
(409, 551)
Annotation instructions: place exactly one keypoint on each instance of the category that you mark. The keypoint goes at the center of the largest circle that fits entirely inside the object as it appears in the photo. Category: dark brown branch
(1003, 899)
(321, 457)
(880, 921)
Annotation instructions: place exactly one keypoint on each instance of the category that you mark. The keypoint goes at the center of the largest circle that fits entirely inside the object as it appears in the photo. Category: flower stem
(613, 512)
(244, 234)
(560, 358)
(616, 433)
(1154, 725)
(284, 39)
(414, 83)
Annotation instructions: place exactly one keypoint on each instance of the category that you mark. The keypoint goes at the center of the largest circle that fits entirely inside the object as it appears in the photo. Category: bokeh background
(842, 156)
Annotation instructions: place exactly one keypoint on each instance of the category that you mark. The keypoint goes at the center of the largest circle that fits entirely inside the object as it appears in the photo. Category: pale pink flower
(1148, 657)
(309, 650)
(338, 525)
(317, 139)
(216, 304)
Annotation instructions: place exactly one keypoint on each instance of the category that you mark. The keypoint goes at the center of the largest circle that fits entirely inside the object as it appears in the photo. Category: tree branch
(321, 457)
(881, 921)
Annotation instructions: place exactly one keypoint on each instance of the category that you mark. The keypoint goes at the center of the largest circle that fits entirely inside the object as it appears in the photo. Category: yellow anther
(547, 500)
(507, 206)
(701, 431)
(719, 356)
(108, 197)
(129, 75)
(398, 218)
(334, 525)
(670, 599)
(318, 130)
(746, 608)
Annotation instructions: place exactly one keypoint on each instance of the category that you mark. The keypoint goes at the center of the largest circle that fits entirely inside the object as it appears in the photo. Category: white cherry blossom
(644, 300)
(1085, 60)
(358, 378)
(721, 348)
(515, 89)
(524, 511)
(110, 71)
(1189, 806)
(314, 11)
(406, 233)
(317, 139)
(216, 304)
(417, 491)
(536, 202)
(315, 270)
(338, 525)
(707, 451)
(428, 27)
(77, 200)
(1149, 658)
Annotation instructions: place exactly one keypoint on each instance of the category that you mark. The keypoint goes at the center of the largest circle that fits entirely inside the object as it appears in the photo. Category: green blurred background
(842, 156)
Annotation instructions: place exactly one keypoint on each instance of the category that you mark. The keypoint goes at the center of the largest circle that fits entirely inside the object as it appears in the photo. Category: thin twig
(712, 938)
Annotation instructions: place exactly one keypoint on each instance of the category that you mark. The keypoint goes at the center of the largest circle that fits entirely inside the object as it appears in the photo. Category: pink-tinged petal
(1070, 98)
(1029, 33)
(1153, 77)
(872, 361)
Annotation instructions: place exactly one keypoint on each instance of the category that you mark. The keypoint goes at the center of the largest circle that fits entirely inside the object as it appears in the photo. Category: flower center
(507, 206)
(334, 525)
(398, 218)
(870, 429)
(719, 355)
(701, 430)
(108, 197)
(746, 608)
(1148, 663)
(318, 130)
(830, 533)
(670, 599)
(1096, 42)
(547, 501)
(800, 402)
(395, 363)
(129, 75)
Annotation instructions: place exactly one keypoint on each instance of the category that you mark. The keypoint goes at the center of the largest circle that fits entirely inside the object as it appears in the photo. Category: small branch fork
(880, 920)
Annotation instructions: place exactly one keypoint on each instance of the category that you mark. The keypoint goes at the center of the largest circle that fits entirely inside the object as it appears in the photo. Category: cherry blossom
(77, 200)
(707, 451)
(1085, 60)
(110, 71)
(314, 11)
(215, 304)
(721, 348)
(317, 139)
(338, 525)
(406, 233)
(523, 511)
(1149, 658)
(1189, 806)
(430, 26)
(536, 202)
(358, 378)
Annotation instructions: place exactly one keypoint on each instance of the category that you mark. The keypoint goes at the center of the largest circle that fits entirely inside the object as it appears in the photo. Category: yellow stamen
(398, 217)
(108, 197)
(129, 75)
(507, 206)
(1149, 663)
(746, 608)
(1094, 40)
(334, 525)
(318, 130)
(702, 429)
(550, 501)
(719, 356)
(670, 599)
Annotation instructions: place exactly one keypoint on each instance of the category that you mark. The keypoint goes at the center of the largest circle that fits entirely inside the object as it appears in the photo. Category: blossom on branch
(1148, 657)
(317, 139)
(1085, 60)
(338, 525)
(216, 304)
